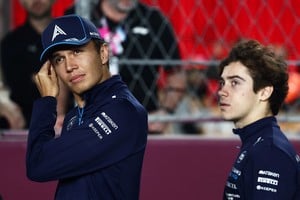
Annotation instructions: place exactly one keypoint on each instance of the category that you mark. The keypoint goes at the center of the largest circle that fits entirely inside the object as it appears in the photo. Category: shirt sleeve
(105, 137)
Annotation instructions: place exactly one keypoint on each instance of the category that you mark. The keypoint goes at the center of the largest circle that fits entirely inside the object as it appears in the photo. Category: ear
(266, 92)
(104, 53)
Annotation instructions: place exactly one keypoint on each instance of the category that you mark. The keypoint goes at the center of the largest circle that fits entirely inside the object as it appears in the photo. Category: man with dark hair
(100, 152)
(253, 86)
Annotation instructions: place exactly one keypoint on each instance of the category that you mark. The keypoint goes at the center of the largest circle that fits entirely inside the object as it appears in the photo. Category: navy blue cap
(67, 30)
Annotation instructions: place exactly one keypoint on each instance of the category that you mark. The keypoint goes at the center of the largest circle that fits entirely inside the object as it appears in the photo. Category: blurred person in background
(137, 31)
(253, 86)
(291, 104)
(10, 113)
(20, 50)
(200, 101)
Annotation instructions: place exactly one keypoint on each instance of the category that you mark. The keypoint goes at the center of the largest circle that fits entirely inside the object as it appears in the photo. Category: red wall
(186, 168)
(18, 14)
(199, 24)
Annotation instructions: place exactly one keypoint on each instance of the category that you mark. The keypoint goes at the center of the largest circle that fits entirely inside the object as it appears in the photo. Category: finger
(45, 69)
(52, 72)
(37, 82)
(36, 79)
(53, 76)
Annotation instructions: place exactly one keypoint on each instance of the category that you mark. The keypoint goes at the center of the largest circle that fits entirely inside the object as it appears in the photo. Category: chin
(227, 117)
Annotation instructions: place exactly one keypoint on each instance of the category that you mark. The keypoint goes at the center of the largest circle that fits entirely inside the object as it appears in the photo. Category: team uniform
(144, 34)
(20, 52)
(267, 166)
(106, 142)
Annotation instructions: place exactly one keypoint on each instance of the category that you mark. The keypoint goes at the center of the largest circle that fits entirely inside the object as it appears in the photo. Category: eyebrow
(52, 57)
(233, 77)
(67, 48)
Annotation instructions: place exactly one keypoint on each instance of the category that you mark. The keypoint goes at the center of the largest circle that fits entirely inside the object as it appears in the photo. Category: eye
(57, 60)
(221, 83)
(234, 83)
(77, 51)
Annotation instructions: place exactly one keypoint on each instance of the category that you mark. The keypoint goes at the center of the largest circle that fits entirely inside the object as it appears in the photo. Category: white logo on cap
(57, 31)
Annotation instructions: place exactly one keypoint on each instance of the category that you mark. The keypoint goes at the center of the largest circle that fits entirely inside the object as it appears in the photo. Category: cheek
(243, 94)
(62, 76)
(246, 102)
(94, 74)
(243, 98)
(240, 100)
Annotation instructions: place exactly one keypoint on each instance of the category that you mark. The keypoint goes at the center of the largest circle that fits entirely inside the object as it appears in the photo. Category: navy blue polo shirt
(267, 166)
(100, 152)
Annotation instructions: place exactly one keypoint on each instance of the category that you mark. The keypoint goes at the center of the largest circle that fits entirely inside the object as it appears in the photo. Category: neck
(79, 100)
(110, 12)
(242, 124)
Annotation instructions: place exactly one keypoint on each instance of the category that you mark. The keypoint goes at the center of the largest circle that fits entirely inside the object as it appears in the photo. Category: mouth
(223, 105)
(77, 78)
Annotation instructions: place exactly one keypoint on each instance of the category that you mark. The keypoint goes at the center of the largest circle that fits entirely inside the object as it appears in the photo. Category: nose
(222, 91)
(70, 64)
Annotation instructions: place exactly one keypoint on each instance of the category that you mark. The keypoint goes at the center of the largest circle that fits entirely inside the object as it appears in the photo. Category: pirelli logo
(103, 126)
(267, 181)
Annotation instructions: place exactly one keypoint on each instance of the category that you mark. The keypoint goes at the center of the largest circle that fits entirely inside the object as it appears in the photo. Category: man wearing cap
(100, 151)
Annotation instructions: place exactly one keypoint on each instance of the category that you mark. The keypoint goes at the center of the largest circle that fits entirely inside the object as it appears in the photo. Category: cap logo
(67, 30)
(57, 31)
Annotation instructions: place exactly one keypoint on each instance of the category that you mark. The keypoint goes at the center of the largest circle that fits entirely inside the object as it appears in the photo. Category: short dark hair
(98, 43)
(265, 67)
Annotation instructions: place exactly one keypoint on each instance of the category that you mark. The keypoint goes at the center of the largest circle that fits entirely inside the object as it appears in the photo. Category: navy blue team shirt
(100, 152)
(267, 166)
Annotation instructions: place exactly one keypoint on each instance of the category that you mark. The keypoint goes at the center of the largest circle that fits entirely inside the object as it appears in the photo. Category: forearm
(41, 130)
(10, 110)
(63, 99)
